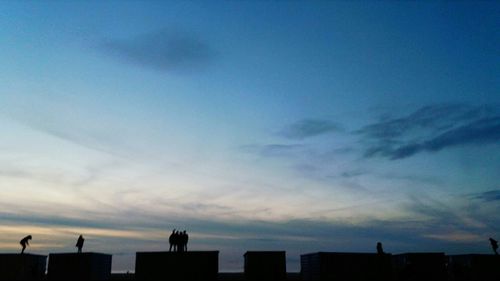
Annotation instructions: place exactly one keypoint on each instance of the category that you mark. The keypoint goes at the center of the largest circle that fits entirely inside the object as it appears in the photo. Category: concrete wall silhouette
(345, 266)
(82, 266)
(419, 266)
(265, 265)
(258, 265)
(474, 267)
(22, 267)
(192, 265)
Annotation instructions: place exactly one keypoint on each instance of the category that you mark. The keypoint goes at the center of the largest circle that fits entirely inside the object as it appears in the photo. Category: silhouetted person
(184, 240)
(380, 250)
(24, 242)
(494, 245)
(178, 241)
(171, 241)
(79, 243)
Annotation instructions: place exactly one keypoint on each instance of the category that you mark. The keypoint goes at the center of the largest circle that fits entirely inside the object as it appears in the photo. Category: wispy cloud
(460, 215)
(163, 50)
(431, 128)
(310, 128)
(434, 117)
(274, 150)
(488, 196)
(483, 131)
(352, 173)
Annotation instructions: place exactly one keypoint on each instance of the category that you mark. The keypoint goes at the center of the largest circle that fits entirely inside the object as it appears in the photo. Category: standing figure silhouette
(380, 250)
(494, 245)
(178, 241)
(172, 241)
(185, 238)
(24, 242)
(79, 243)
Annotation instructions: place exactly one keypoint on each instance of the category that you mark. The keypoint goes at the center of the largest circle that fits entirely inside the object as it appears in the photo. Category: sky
(301, 126)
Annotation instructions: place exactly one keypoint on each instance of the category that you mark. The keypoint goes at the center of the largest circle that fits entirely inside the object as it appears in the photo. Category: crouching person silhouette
(24, 242)
(79, 243)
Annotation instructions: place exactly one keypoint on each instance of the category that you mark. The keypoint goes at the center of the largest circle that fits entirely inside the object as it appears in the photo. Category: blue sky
(297, 126)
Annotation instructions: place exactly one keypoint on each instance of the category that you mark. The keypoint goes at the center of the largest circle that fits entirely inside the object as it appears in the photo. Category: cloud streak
(488, 196)
(431, 129)
(307, 128)
(163, 50)
(274, 150)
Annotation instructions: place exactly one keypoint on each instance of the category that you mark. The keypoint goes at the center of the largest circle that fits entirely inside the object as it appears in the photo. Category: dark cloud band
(309, 128)
(163, 50)
(431, 129)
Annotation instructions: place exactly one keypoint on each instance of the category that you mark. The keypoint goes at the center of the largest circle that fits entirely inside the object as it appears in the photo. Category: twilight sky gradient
(298, 126)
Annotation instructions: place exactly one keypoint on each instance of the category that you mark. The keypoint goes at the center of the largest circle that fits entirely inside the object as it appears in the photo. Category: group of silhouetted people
(178, 241)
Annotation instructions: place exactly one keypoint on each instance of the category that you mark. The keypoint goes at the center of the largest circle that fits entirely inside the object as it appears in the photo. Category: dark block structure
(265, 265)
(22, 267)
(474, 267)
(419, 266)
(79, 266)
(345, 266)
(192, 265)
